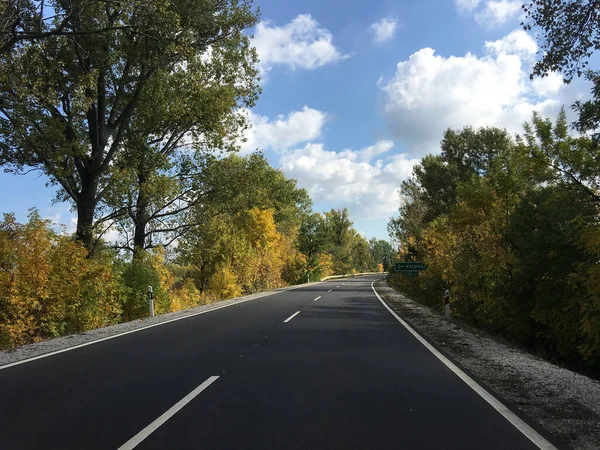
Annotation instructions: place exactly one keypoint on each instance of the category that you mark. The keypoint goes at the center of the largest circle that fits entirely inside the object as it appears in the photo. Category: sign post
(150, 301)
(410, 269)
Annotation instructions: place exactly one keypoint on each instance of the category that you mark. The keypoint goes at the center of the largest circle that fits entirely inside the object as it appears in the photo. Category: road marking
(337, 286)
(317, 298)
(518, 423)
(329, 290)
(114, 336)
(291, 317)
(138, 438)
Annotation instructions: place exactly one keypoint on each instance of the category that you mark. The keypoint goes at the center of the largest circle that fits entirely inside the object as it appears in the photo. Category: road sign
(411, 274)
(409, 266)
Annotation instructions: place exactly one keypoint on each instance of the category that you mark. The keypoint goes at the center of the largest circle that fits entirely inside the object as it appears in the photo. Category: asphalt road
(343, 373)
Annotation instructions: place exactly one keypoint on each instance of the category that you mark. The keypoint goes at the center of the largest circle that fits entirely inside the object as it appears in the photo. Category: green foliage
(512, 235)
(570, 32)
(349, 250)
(73, 102)
(382, 253)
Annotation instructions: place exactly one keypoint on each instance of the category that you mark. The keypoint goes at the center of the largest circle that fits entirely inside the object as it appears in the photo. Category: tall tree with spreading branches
(68, 101)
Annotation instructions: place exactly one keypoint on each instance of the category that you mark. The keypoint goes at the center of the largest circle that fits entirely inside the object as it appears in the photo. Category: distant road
(326, 366)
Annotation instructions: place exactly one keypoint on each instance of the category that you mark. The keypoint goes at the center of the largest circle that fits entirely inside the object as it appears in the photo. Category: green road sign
(409, 266)
(411, 274)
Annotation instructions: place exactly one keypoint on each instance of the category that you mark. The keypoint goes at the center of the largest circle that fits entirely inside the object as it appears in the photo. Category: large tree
(165, 154)
(67, 102)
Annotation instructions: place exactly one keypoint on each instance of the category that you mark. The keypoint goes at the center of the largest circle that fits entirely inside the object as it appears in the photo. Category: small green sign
(409, 266)
(411, 274)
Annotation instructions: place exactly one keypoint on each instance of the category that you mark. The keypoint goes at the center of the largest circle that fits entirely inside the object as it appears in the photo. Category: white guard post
(150, 301)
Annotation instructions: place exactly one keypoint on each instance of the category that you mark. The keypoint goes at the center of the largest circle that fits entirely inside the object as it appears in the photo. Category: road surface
(326, 366)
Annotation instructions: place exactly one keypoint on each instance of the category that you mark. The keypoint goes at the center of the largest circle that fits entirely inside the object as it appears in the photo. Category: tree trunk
(141, 217)
(86, 206)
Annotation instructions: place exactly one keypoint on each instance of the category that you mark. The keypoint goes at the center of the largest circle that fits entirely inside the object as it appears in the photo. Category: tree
(312, 237)
(31, 20)
(67, 102)
(236, 186)
(574, 161)
(338, 226)
(382, 253)
(570, 33)
(165, 154)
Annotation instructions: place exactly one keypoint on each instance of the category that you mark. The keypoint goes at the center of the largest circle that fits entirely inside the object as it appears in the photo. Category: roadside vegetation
(510, 223)
(134, 110)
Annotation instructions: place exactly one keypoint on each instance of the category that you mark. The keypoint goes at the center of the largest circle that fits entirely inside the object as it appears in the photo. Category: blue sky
(355, 93)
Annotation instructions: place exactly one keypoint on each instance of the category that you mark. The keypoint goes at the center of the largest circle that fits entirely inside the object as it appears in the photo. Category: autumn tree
(68, 102)
(238, 185)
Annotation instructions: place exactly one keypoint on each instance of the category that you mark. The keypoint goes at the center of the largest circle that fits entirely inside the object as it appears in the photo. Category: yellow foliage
(325, 264)
(48, 285)
(224, 284)
(165, 280)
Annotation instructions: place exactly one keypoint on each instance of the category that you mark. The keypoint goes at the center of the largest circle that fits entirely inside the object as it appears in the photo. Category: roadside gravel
(61, 343)
(564, 403)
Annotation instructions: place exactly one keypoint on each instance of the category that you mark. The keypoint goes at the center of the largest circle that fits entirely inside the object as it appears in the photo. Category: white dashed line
(291, 317)
(317, 298)
(138, 438)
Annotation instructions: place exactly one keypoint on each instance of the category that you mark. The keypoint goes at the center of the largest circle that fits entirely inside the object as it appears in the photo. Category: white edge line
(138, 438)
(291, 317)
(518, 423)
(317, 298)
(114, 336)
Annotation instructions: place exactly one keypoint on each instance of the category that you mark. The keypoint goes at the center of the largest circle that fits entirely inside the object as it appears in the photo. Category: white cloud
(283, 132)
(467, 5)
(517, 42)
(549, 85)
(497, 12)
(384, 29)
(349, 178)
(302, 43)
(381, 147)
(430, 93)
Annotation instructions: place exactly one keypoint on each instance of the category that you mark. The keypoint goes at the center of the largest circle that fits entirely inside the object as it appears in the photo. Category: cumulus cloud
(351, 178)
(517, 42)
(430, 93)
(497, 12)
(301, 44)
(467, 5)
(384, 30)
(283, 132)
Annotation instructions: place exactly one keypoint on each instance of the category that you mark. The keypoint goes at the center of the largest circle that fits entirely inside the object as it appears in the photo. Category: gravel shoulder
(64, 342)
(564, 403)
